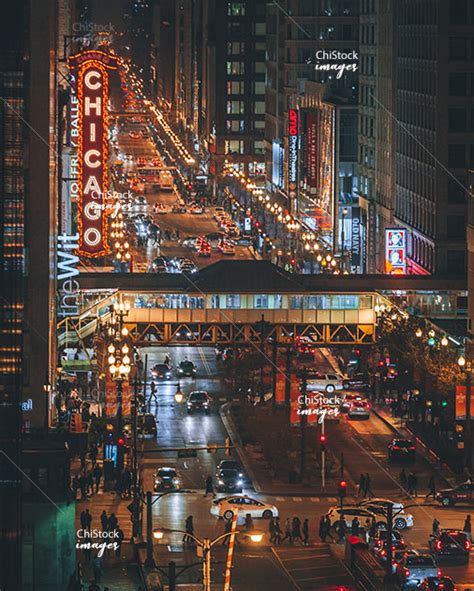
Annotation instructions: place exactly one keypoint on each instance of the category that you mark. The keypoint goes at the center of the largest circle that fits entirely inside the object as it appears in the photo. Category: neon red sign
(293, 122)
(92, 80)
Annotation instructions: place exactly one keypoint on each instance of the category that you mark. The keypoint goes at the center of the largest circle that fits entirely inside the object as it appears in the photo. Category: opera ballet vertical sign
(92, 78)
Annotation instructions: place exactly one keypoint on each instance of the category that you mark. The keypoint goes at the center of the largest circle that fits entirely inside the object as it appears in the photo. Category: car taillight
(439, 573)
(383, 553)
(368, 405)
(467, 544)
(412, 448)
(438, 545)
(407, 572)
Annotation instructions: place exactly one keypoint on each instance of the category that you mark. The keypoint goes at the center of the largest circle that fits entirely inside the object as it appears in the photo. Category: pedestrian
(341, 531)
(112, 522)
(86, 520)
(361, 489)
(467, 526)
(328, 528)
(89, 483)
(368, 487)
(227, 530)
(75, 486)
(411, 483)
(93, 586)
(82, 486)
(403, 478)
(189, 528)
(104, 520)
(288, 535)
(322, 529)
(248, 523)
(271, 529)
(355, 525)
(118, 540)
(97, 569)
(97, 473)
(296, 529)
(431, 487)
(209, 486)
(435, 527)
(87, 553)
(127, 483)
(306, 532)
(277, 531)
(94, 452)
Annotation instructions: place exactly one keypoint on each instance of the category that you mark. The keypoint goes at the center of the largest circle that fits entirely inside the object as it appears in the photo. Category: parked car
(463, 493)
(359, 409)
(186, 369)
(161, 371)
(450, 544)
(401, 449)
(323, 383)
(229, 481)
(228, 505)
(199, 400)
(358, 381)
(414, 568)
(167, 478)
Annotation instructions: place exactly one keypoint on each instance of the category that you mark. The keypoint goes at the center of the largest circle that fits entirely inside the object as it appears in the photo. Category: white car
(226, 506)
(348, 513)
(219, 211)
(401, 519)
(226, 247)
(327, 382)
(359, 409)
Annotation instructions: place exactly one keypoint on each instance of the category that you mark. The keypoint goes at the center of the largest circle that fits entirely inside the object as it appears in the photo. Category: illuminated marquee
(92, 76)
(395, 251)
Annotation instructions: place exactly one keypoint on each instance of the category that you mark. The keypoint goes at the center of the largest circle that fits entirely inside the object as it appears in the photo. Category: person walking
(112, 522)
(86, 520)
(435, 527)
(341, 531)
(97, 568)
(277, 531)
(189, 528)
(403, 478)
(361, 488)
(89, 483)
(249, 523)
(104, 521)
(431, 488)
(296, 529)
(288, 535)
(355, 526)
(328, 528)
(271, 529)
(306, 532)
(322, 529)
(97, 473)
(209, 486)
(82, 486)
(467, 526)
(368, 487)
(119, 540)
(75, 486)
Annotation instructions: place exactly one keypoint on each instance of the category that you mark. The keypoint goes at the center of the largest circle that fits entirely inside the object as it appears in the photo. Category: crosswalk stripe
(315, 499)
(297, 499)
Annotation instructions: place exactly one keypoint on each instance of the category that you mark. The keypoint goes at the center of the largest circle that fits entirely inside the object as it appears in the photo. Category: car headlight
(206, 403)
(241, 475)
(176, 481)
(221, 482)
(239, 482)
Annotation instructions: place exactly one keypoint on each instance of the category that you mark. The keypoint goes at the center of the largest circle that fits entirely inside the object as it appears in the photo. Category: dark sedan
(229, 481)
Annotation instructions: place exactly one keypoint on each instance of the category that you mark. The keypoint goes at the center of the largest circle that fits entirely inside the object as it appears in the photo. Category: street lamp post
(345, 211)
(466, 366)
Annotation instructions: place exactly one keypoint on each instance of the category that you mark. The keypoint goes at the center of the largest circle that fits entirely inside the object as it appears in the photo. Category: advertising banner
(461, 403)
(356, 238)
(312, 151)
(395, 251)
(292, 152)
(280, 387)
(110, 396)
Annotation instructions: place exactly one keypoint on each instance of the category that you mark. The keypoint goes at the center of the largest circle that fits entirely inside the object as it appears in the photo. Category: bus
(166, 181)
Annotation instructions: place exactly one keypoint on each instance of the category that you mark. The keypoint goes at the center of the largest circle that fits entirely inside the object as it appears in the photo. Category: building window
(235, 48)
(458, 48)
(457, 156)
(259, 147)
(260, 301)
(232, 301)
(235, 126)
(259, 124)
(235, 107)
(256, 168)
(236, 9)
(259, 87)
(260, 28)
(456, 191)
(458, 12)
(259, 108)
(457, 119)
(260, 67)
(235, 68)
(260, 46)
(234, 147)
(458, 84)
(456, 227)
(456, 262)
(235, 87)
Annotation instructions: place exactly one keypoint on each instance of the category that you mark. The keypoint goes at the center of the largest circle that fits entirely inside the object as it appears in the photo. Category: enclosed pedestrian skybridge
(226, 303)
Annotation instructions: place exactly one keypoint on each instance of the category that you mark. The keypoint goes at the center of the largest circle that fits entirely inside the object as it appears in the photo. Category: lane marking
(285, 570)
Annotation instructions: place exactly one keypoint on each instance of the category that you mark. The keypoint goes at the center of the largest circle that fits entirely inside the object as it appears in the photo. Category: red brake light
(407, 572)
(383, 553)
(439, 574)
(368, 405)
(438, 545)
(412, 448)
(467, 544)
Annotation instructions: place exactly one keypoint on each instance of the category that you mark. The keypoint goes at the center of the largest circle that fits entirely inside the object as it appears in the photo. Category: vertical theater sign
(91, 72)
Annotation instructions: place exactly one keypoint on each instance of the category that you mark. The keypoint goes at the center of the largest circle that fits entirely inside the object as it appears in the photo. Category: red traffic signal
(381, 363)
(342, 488)
(322, 438)
(121, 441)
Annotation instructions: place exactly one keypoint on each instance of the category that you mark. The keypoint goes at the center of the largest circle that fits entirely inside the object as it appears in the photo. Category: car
(196, 209)
(225, 507)
(359, 409)
(204, 250)
(186, 369)
(358, 381)
(146, 424)
(159, 208)
(414, 568)
(166, 478)
(159, 265)
(214, 238)
(450, 544)
(349, 513)
(463, 493)
(218, 211)
(348, 400)
(199, 400)
(398, 552)
(319, 382)
(229, 481)
(161, 371)
(435, 583)
(178, 208)
(233, 230)
(226, 247)
(231, 465)
(189, 241)
(401, 519)
(401, 449)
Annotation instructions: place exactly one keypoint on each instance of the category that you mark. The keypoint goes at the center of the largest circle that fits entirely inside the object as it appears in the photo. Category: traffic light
(323, 441)
(342, 488)
(121, 441)
(444, 403)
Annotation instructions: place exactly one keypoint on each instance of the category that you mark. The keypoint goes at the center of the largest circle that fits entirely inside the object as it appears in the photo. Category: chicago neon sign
(92, 91)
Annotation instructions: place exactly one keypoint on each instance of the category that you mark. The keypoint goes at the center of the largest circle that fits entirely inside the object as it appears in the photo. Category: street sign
(187, 453)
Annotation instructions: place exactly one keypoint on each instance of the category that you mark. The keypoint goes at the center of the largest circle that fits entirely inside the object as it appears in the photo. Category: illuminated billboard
(292, 152)
(395, 251)
(91, 72)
